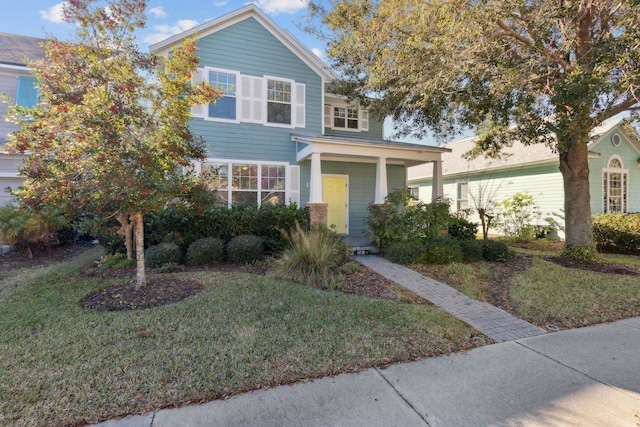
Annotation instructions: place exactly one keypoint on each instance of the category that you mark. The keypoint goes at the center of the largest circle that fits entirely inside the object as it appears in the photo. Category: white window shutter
(299, 99)
(245, 98)
(258, 103)
(364, 120)
(327, 116)
(292, 185)
(198, 110)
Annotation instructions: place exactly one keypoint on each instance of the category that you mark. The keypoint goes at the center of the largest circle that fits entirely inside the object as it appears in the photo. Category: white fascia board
(15, 68)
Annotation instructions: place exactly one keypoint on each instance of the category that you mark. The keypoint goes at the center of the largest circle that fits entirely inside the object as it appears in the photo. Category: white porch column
(381, 181)
(436, 184)
(315, 192)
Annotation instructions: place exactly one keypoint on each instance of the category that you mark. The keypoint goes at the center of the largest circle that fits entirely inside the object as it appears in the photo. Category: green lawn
(63, 364)
(549, 293)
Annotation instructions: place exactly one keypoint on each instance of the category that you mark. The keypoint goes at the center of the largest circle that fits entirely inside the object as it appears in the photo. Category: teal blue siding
(361, 187)
(247, 47)
(629, 156)
(376, 131)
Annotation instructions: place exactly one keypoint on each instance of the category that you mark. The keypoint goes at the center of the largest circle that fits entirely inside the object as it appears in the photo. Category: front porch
(366, 169)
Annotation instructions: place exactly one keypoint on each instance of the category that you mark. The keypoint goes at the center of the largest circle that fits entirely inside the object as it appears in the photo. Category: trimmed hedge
(495, 251)
(442, 251)
(164, 253)
(225, 223)
(406, 251)
(209, 250)
(617, 233)
(245, 249)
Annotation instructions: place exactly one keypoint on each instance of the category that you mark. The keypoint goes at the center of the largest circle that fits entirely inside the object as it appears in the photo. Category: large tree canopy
(112, 130)
(536, 71)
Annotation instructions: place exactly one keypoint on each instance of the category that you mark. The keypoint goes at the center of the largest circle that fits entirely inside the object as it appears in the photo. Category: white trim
(15, 67)
(606, 177)
(331, 175)
(229, 162)
(237, 89)
(331, 118)
(265, 110)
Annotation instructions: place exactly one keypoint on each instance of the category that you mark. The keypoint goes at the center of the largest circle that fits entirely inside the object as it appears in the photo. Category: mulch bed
(159, 290)
(598, 267)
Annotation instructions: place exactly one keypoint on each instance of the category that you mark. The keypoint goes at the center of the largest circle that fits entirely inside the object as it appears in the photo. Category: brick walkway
(488, 319)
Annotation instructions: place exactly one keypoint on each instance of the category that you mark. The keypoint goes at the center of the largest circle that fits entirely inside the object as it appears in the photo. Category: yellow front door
(334, 194)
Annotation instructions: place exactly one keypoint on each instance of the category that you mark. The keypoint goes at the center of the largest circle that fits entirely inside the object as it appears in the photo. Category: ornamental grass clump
(312, 257)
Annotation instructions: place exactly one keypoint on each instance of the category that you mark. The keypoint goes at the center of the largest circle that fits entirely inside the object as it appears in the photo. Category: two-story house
(277, 136)
(17, 83)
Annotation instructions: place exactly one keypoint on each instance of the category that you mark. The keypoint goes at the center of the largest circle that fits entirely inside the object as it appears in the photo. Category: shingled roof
(518, 155)
(14, 49)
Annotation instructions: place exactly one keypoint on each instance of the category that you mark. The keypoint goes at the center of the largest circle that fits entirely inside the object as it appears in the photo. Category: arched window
(614, 187)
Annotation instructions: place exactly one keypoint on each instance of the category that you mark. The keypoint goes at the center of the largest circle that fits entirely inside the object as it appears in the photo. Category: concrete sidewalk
(585, 377)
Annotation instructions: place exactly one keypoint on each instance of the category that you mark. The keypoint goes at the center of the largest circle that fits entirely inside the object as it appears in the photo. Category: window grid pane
(225, 106)
(244, 180)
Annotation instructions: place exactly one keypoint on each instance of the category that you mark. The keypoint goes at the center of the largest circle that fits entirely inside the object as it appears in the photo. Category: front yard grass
(63, 364)
(542, 292)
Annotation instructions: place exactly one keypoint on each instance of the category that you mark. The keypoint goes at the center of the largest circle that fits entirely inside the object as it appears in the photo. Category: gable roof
(248, 11)
(518, 155)
(14, 49)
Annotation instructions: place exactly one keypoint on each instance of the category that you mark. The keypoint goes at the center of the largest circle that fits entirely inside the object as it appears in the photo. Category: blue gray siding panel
(249, 48)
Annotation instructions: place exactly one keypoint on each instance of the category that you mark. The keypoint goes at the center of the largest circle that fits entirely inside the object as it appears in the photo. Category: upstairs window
(345, 118)
(225, 106)
(278, 102)
(614, 187)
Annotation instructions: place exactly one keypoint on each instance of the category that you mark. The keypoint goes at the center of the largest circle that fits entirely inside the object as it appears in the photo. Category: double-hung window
(278, 102)
(462, 199)
(225, 107)
(345, 118)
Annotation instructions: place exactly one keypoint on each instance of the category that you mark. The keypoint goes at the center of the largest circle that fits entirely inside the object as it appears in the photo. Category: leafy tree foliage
(111, 134)
(536, 71)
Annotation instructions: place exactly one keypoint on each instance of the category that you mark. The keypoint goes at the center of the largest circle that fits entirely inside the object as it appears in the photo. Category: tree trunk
(127, 231)
(138, 222)
(574, 166)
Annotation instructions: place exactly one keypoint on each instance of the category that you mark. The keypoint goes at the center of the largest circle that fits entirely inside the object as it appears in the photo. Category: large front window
(278, 102)
(225, 106)
(247, 184)
(614, 187)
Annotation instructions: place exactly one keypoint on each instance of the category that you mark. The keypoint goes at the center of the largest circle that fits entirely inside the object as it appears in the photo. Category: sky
(40, 18)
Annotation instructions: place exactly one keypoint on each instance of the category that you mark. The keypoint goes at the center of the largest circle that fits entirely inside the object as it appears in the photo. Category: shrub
(471, 250)
(402, 218)
(27, 230)
(406, 252)
(617, 233)
(205, 251)
(442, 251)
(245, 248)
(164, 253)
(516, 216)
(462, 229)
(495, 251)
(312, 257)
(191, 224)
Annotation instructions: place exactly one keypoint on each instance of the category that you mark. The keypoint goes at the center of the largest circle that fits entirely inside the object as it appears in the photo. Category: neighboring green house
(278, 136)
(614, 174)
(17, 83)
